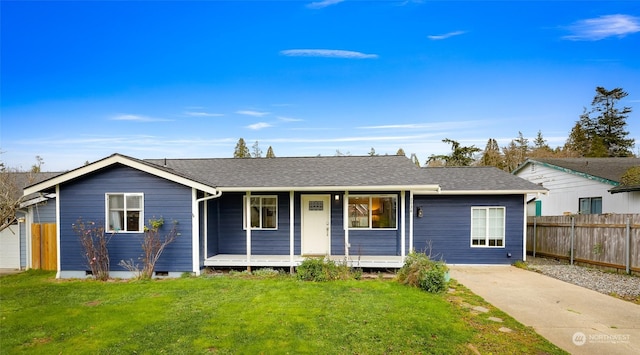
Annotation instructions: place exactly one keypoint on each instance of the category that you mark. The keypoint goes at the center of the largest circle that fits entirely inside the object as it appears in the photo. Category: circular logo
(579, 338)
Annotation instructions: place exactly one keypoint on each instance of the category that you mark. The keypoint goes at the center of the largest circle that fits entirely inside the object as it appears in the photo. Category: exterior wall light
(419, 212)
(337, 197)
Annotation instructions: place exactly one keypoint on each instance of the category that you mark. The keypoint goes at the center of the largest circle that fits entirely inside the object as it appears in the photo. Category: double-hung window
(487, 226)
(590, 205)
(372, 212)
(125, 212)
(263, 212)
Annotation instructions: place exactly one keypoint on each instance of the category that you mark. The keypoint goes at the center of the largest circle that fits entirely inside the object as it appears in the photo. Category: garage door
(10, 248)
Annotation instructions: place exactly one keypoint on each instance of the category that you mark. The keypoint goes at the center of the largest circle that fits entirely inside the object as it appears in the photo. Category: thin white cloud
(289, 119)
(202, 114)
(429, 126)
(252, 113)
(137, 118)
(326, 53)
(322, 4)
(446, 35)
(595, 29)
(259, 125)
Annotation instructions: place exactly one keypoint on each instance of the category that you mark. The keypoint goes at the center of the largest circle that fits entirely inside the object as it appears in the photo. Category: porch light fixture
(419, 212)
(337, 197)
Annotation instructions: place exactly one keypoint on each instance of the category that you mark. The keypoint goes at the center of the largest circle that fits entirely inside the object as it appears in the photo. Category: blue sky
(81, 80)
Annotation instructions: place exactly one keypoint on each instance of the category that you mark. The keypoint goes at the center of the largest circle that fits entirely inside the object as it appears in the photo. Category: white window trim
(487, 237)
(245, 221)
(124, 194)
(371, 196)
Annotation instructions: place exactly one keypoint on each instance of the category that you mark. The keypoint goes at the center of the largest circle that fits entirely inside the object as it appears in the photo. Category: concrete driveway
(576, 319)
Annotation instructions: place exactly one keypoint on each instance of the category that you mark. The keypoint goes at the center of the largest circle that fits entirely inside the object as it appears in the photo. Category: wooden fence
(44, 253)
(608, 240)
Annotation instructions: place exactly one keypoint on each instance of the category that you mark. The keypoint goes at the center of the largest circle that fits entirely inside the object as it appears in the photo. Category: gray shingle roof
(299, 172)
(356, 171)
(606, 168)
(477, 178)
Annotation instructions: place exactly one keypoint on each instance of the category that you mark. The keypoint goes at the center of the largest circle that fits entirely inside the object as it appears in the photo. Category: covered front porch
(241, 260)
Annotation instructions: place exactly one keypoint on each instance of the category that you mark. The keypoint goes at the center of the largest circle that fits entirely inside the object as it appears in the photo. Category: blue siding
(44, 212)
(23, 239)
(232, 237)
(447, 225)
(228, 237)
(85, 198)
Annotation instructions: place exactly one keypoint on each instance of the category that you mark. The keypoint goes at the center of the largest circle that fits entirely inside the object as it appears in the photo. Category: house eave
(482, 192)
(433, 188)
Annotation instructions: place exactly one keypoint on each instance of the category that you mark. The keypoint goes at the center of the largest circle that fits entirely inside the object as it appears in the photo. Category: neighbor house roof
(477, 179)
(605, 170)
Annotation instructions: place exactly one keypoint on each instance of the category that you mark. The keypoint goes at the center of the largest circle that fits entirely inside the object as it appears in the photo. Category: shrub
(420, 271)
(324, 269)
(94, 243)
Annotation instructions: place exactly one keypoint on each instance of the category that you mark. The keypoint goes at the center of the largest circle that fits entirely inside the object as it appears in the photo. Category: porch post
(291, 230)
(58, 236)
(345, 223)
(403, 234)
(247, 213)
(195, 232)
(411, 221)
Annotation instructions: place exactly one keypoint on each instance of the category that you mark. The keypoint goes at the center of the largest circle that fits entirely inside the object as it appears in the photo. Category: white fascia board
(115, 159)
(430, 188)
(481, 192)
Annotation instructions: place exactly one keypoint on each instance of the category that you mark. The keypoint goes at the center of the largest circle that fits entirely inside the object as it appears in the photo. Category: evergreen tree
(611, 121)
(241, 151)
(491, 155)
(460, 155)
(541, 149)
(270, 153)
(601, 131)
(401, 152)
(372, 152)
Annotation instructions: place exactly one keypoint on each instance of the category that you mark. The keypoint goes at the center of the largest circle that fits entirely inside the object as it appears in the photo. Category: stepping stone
(505, 330)
(495, 319)
(480, 309)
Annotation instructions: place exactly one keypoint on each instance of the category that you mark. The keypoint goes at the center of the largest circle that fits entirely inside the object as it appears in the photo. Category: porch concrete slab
(576, 319)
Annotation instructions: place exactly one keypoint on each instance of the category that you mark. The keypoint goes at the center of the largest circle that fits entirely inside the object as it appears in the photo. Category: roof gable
(123, 160)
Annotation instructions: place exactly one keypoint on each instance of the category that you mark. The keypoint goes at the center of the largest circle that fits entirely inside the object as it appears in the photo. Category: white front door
(316, 224)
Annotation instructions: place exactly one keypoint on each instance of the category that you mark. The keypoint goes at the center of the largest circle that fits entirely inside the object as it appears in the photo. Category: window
(125, 212)
(590, 205)
(264, 212)
(487, 226)
(372, 212)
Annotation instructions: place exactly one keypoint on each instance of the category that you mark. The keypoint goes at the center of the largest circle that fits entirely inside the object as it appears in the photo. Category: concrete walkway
(576, 319)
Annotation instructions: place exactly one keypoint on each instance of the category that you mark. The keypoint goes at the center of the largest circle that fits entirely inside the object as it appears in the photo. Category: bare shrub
(94, 243)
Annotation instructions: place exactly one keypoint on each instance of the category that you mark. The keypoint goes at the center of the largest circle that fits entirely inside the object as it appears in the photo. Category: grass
(251, 315)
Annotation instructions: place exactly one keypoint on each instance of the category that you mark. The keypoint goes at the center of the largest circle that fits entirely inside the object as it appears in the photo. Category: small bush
(420, 271)
(324, 269)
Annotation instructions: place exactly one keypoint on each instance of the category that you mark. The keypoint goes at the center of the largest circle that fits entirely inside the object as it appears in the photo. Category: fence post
(573, 224)
(534, 236)
(627, 248)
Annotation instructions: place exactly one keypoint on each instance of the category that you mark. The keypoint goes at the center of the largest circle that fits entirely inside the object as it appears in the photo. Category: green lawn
(223, 314)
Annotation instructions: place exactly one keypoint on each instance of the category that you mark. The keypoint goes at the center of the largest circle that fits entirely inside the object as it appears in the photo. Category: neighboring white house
(581, 185)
